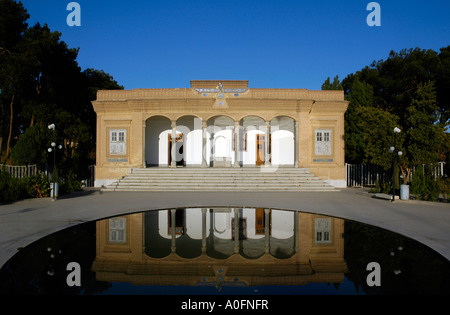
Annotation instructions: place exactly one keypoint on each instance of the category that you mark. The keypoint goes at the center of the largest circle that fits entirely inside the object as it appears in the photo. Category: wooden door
(259, 222)
(260, 149)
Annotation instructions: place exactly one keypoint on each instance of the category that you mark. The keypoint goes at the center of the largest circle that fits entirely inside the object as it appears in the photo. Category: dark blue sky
(277, 43)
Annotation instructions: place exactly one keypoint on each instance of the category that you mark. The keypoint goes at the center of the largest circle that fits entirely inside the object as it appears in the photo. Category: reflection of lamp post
(52, 127)
(394, 164)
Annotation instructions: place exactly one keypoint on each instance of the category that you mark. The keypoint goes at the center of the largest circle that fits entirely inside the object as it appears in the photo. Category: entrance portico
(220, 124)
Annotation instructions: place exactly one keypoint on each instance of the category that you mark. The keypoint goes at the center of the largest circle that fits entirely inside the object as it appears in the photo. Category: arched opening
(189, 147)
(253, 141)
(221, 137)
(157, 132)
(282, 130)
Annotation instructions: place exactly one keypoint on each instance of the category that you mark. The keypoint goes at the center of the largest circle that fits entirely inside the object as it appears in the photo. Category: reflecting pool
(209, 251)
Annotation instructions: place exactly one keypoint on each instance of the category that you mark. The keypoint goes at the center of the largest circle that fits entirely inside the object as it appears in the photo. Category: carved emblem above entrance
(221, 98)
(220, 90)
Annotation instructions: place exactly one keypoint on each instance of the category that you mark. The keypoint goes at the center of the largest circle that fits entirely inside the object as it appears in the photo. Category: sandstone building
(220, 123)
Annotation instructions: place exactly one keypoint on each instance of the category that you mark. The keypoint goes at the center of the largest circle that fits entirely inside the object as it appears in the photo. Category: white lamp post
(391, 150)
(53, 149)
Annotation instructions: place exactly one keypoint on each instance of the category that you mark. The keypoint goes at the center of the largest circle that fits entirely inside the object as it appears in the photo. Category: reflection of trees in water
(40, 268)
(407, 267)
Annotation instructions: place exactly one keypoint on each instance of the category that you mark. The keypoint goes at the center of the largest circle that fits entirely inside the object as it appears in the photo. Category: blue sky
(273, 44)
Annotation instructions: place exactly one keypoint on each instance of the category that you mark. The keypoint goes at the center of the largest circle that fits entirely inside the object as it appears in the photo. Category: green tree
(377, 125)
(335, 85)
(32, 146)
(408, 90)
(13, 64)
(442, 87)
(41, 83)
(422, 134)
(360, 97)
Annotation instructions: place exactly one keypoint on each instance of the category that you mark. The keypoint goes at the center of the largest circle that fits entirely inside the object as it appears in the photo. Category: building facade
(220, 124)
(220, 247)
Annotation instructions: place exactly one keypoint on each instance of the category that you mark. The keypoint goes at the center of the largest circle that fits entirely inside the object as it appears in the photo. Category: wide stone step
(219, 172)
(215, 178)
(217, 188)
(221, 182)
(219, 179)
(199, 183)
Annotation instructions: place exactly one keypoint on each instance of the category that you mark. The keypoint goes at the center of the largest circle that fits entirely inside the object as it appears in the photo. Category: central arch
(221, 136)
(190, 150)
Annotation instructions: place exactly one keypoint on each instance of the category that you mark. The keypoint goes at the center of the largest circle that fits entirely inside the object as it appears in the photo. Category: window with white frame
(323, 142)
(117, 142)
(117, 230)
(322, 229)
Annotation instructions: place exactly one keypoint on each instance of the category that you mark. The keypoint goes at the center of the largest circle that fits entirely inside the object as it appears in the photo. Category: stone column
(236, 230)
(296, 145)
(266, 145)
(173, 230)
(204, 140)
(296, 232)
(212, 150)
(173, 163)
(267, 230)
(236, 144)
(204, 230)
(144, 162)
(304, 132)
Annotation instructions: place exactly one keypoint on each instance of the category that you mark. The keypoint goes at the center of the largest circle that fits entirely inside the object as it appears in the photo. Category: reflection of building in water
(220, 247)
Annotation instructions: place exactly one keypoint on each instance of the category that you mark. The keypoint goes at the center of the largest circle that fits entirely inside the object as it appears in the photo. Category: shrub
(444, 188)
(37, 186)
(383, 187)
(423, 186)
(11, 189)
(69, 184)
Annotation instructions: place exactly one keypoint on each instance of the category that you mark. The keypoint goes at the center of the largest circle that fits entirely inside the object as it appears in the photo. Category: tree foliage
(408, 90)
(335, 85)
(41, 83)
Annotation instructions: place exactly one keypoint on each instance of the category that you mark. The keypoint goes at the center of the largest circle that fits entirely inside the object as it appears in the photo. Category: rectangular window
(323, 142)
(117, 230)
(319, 136)
(322, 228)
(114, 136)
(118, 142)
(122, 136)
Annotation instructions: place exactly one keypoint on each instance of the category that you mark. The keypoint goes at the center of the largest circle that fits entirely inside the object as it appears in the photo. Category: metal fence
(22, 171)
(90, 181)
(359, 175)
(32, 170)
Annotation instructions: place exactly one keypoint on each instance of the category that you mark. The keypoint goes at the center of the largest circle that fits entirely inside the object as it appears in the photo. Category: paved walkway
(24, 222)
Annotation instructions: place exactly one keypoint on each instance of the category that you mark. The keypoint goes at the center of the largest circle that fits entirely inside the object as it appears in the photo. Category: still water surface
(211, 251)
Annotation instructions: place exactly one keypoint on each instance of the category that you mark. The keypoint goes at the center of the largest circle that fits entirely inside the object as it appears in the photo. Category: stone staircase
(219, 179)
